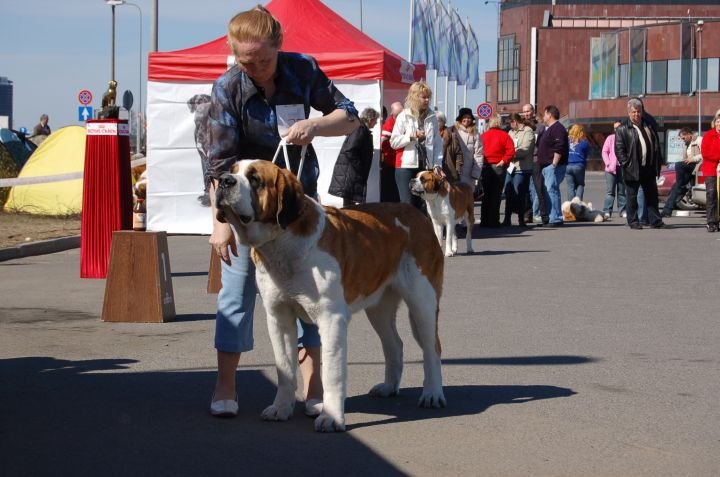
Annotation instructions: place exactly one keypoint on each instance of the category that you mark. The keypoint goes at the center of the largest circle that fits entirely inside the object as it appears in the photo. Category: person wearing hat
(470, 164)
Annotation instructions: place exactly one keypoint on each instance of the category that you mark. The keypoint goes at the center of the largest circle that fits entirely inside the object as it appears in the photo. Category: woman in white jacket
(416, 126)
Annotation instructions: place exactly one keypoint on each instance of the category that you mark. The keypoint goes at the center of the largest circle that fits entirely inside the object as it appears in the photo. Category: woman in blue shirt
(265, 87)
(577, 161)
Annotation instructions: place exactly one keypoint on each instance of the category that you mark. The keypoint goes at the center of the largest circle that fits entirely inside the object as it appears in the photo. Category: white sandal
(224, 407)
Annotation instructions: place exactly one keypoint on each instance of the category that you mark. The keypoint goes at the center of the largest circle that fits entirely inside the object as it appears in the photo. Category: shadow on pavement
(60, 417)
(462, 401)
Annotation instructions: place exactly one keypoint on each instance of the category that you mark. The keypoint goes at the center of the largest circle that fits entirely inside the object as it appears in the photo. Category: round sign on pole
(484, 110)
(85, 97)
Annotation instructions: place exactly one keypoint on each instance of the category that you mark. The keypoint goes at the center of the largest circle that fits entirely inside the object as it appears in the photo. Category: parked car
(665, 182)
(698, 190)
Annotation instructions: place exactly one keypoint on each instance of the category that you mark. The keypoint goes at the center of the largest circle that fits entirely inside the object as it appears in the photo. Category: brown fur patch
(368, 245)
(462, 200)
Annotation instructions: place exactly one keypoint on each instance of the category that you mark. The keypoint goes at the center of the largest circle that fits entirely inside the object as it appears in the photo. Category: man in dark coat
(637, 147)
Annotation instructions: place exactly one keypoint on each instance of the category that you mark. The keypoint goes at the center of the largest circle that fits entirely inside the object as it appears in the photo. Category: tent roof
(309, 27)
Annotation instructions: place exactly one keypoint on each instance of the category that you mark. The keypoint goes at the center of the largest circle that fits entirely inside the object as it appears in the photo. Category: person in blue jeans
(577, 161)
(614, 184)
(553, 150)
(266, 88)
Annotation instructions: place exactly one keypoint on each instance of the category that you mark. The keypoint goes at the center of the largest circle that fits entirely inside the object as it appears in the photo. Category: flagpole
(446, 96)
(410, 43)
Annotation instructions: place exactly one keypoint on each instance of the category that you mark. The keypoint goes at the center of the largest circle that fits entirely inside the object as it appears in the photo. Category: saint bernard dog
(447, 205)
(322, 264)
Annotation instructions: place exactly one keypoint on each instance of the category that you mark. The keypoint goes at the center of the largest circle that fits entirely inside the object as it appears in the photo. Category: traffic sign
(85, 113)
(484, 110)
(85, 97)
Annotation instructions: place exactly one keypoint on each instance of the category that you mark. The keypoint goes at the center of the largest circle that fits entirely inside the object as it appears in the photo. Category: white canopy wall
(175, 179)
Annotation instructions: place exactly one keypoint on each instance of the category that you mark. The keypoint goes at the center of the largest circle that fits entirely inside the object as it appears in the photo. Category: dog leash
(283, 146)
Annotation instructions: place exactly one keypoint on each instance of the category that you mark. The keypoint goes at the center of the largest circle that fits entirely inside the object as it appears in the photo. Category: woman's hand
(222, 241)
(302, 132)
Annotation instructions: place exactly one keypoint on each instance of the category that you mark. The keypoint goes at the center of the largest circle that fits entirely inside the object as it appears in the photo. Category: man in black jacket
(637, 147)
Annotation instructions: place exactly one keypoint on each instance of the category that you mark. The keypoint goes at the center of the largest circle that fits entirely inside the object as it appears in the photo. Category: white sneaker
(623, 215)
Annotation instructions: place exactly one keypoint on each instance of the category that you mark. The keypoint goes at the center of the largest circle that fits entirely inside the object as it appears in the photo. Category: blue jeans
(683, 176)
(642, 206)
(553, 177)
(236, 304)
(575, 177)
(534, 199)
(402, 179)
(236, 307)
(516, 190)
(614, 189)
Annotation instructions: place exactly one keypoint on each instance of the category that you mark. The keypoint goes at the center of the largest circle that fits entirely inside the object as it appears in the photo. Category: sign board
(484, 110)
(85, 97)
(127, 99)
(675, 146)
(85, 113)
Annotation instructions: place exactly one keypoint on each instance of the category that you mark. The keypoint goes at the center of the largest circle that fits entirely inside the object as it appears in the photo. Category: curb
(40, 248)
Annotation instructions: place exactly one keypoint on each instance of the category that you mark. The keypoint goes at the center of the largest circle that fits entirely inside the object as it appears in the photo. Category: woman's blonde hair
(495, 121)
(712, 121)
(256, 24)
(577, 133)
(412, 101)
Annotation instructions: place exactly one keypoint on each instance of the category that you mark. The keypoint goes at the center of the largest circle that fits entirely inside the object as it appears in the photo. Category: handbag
(422, 155)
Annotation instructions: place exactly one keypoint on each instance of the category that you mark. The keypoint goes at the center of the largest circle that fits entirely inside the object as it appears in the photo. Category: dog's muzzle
(223, 200)
(416, 187)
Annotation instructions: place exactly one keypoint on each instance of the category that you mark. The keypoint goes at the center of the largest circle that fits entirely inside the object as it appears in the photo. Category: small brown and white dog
(323, 264)
(448, 204)
(578, 211)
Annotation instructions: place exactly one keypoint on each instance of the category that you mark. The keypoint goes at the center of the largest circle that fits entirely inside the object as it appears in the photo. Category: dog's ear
(290, 197)
(439, 182)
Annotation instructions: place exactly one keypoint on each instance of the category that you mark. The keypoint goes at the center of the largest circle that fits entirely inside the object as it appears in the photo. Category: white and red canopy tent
(365, 71)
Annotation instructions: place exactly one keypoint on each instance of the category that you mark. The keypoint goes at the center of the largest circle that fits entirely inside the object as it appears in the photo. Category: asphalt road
(587, 350)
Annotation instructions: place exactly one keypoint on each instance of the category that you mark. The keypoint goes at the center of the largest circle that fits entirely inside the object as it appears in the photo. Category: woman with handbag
(416, 132)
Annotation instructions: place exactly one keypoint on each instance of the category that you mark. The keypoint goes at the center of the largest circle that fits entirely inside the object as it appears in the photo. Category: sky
(53, 49)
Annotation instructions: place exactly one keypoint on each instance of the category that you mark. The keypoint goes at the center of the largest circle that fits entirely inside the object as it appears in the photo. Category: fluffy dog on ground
(448, 204)
(578, 211)
(323, 264)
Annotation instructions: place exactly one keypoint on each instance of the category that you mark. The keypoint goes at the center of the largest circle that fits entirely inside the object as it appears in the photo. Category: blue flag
(442, 26)
(473, 71)
(458, 50)
(423, 34)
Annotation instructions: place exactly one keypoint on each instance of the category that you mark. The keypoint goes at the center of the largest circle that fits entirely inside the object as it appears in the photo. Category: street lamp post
(139, 115)
(699, 31)
(112, 4)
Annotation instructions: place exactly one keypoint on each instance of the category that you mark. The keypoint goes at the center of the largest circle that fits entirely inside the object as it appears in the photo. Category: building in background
(6, 103)
(589, 57)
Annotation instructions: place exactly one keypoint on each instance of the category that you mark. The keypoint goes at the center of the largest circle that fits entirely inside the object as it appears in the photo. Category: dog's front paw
(326, 423)
(450, 253)
(277, 413)
(384, 390)
(432, 399)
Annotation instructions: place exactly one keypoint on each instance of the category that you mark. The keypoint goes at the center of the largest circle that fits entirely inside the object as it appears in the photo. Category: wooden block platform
(139, 282)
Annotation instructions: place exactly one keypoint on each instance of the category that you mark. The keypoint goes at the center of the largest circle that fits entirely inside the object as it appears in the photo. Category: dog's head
(259, 200)
(426, 183)
(197, 100)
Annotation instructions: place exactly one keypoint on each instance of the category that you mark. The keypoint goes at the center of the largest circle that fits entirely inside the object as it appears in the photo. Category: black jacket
(628, 152)
(352, 168)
